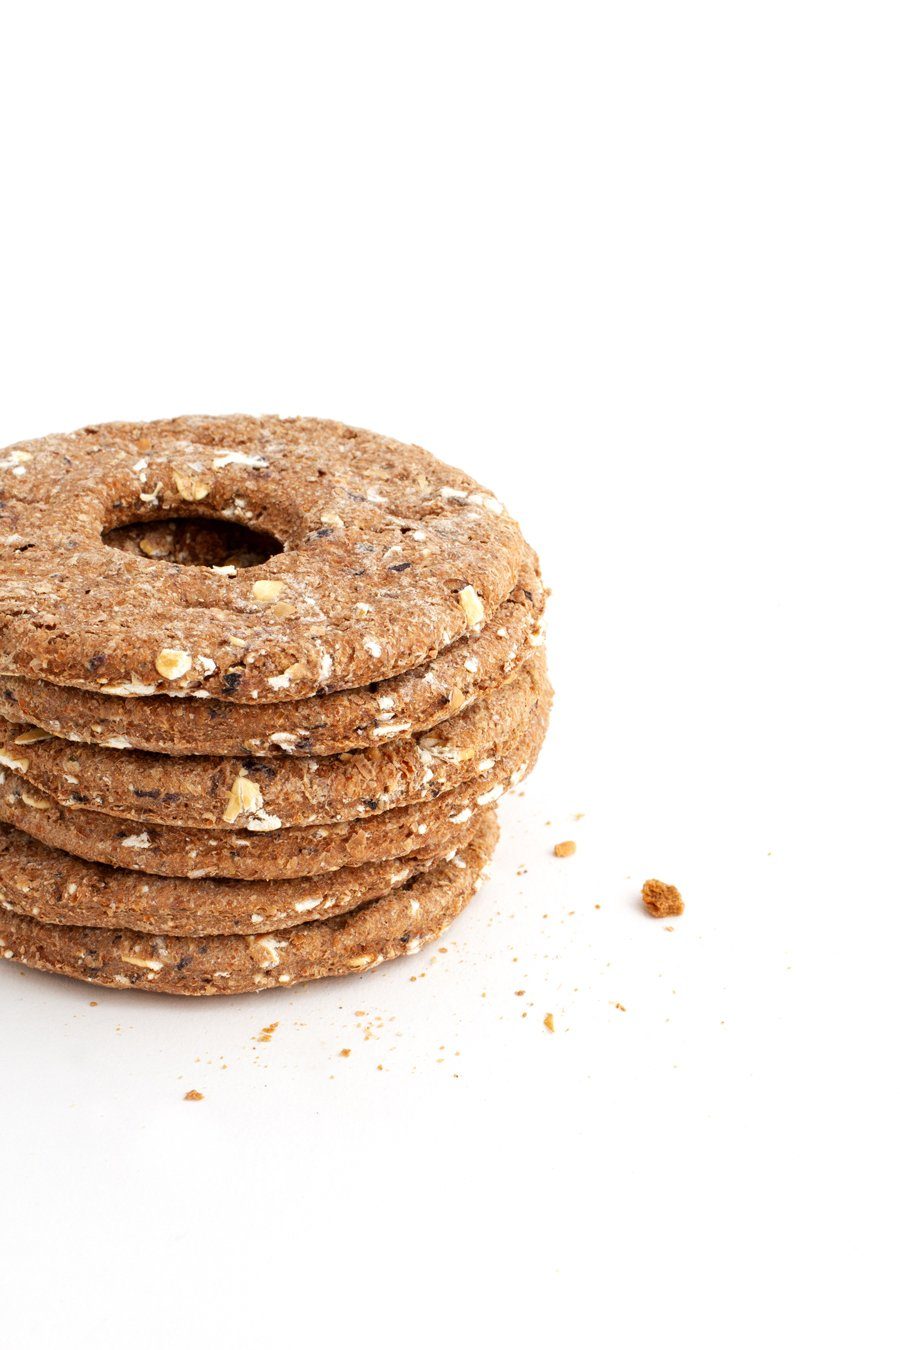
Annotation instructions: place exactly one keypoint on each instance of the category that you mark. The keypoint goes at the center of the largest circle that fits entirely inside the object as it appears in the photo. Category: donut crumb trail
(660, 899)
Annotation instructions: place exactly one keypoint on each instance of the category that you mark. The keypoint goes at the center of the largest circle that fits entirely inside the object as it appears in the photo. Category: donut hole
(194, 541)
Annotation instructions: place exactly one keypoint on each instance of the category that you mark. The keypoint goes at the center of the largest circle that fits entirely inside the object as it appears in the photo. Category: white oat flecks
(17, 765)
(304, 906)
(141, 840)
(263, 822)
(472, 606)
(266, 950)
(16, 461)
(326, 663)
(285, 740)
(238, 457)
(372, 646)
(489, 503)
(172, 663)
(144, 963)
(246, 799)
(129, 688)
(391, 729)
(266, 590)
(189, 487)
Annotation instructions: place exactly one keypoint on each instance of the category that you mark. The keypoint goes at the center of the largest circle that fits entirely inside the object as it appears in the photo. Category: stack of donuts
(262, 684)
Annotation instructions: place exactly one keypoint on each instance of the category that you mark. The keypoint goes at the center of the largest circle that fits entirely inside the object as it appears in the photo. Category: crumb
(564, 849)
(193, 1096)
(519, 993)
(621, 1007)
(345, 1054)
(549, 1022)
(267, 1033)
(661, 899)
(93, 1003)
(579, 815)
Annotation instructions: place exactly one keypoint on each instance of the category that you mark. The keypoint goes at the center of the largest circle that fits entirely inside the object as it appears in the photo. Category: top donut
(387, 557)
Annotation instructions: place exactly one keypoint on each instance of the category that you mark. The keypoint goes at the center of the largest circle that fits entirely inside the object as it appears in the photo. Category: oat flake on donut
(386, 557)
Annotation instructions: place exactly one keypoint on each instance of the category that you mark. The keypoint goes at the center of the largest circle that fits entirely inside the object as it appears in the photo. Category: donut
(376, 556)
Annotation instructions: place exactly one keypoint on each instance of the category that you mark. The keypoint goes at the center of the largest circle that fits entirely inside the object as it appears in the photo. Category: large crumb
(661, 899)
(549, 1022)
(193, 1096)
(564, 849)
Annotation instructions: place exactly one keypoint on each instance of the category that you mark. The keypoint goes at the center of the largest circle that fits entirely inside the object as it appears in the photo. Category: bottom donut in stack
(136, 870)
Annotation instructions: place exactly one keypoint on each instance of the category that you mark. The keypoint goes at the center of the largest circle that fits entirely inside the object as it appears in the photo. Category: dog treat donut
(262, 855)
(345, 720)
(385, 557)
(210, 792)
(262, 684)
(399, 924)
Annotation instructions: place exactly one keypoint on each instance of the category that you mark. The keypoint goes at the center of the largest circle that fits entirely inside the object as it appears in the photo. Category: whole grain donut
(386, 556)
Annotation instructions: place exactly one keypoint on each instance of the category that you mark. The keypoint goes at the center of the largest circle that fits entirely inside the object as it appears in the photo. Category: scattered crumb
(661, 899)
(345, 1054)
(621, 1007)
(519, 993)
(549, 1022)
(193, 1096)
(267, 1033)
(565, 849)
(93, 1003)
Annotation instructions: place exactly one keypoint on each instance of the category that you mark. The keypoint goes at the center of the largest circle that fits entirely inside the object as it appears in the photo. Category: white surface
(636, 267)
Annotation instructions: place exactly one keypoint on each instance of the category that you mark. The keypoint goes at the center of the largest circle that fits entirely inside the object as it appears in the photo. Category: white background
(636, 267)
